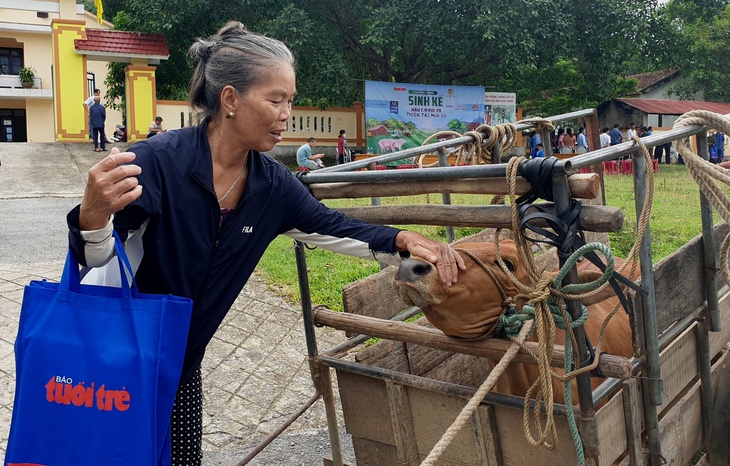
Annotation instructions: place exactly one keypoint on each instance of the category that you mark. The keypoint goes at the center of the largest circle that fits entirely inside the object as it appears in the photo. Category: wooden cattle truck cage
(400, 395)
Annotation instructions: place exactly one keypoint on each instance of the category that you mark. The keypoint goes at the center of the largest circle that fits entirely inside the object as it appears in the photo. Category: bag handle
(71, 279)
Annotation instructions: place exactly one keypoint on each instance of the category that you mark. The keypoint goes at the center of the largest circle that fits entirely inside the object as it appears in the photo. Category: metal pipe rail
(627, 148)
(338, 174)
(434, 147)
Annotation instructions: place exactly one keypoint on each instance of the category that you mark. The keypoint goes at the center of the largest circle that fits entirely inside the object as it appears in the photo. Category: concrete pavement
(255, 372)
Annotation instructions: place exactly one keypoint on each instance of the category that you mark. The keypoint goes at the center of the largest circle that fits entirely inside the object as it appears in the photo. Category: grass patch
(675, 219)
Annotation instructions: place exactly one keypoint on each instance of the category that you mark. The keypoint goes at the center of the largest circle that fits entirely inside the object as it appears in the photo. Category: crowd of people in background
(564, 141)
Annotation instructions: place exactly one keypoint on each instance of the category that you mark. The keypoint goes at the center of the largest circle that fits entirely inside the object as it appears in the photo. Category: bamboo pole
(582, 186)
(592, 217)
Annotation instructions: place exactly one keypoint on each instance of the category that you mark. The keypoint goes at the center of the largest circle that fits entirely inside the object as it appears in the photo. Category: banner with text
(500, 107)
(401, 116)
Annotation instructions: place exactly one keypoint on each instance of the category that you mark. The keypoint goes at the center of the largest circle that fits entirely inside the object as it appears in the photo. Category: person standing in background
(581, 139)
(568, 140)
(535, 139)
(341, 146)
(631, 132)
(616, 136)
(605, 139)
(87, 105)
(720, 142)
(97, 119)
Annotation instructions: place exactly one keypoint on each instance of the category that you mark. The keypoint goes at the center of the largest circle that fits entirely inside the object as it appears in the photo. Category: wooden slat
(373, 296)
(403, 357)
(678, 280)
(581, 185)
(402, 419)
(486, 426)
(679, 365)
(610, 430)
(632, 420)
(719, 446)
(680, 428)
(493, 348)
(592, 217)
(518, 452)
(433, 413)
(365, 408)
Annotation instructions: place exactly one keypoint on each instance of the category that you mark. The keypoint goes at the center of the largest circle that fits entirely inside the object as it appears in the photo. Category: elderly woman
(204, 203)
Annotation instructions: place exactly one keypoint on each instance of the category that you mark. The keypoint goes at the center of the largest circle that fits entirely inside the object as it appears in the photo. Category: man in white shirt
(631, 132)
(88, 103)
(604, 138)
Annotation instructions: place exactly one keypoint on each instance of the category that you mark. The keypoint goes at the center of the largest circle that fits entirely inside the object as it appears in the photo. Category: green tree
(702, 33)
(339, 43)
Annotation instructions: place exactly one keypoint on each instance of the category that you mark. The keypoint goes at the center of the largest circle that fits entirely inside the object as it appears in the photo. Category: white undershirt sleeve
(349, 246)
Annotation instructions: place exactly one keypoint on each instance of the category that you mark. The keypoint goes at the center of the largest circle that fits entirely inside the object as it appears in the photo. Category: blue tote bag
(97, 370)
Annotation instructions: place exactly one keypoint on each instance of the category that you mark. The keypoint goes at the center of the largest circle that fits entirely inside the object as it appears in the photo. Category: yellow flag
(99, 10)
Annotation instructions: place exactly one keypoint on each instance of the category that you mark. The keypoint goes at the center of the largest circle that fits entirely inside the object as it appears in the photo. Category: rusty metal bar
(446, 197)
(264, 443)
(324, 389)
(587, 418)
(712, 320)
(652, 392)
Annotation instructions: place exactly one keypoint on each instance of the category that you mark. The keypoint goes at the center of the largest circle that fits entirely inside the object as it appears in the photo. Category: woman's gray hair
(234, 56)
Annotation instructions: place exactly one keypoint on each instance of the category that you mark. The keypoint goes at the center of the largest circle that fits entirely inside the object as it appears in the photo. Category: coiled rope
(480, 150)
(706, 174)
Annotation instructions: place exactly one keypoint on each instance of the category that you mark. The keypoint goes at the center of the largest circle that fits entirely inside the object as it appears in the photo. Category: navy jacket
(184, 252)
(97, 116)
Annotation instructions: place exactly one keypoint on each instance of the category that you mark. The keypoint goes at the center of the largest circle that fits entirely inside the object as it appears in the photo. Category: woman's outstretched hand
(447, 261)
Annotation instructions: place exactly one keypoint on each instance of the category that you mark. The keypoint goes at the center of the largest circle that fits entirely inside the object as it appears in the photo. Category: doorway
(12, 125)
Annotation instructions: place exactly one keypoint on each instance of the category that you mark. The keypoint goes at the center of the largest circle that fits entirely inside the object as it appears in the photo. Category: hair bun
(202, 50)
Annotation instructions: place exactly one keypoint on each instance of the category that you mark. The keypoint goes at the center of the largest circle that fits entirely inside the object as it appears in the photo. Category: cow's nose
(412, 270)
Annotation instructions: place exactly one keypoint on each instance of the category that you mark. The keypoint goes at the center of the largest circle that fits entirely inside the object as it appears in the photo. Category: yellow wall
(39, 119)
(141, 100)
(69, 81)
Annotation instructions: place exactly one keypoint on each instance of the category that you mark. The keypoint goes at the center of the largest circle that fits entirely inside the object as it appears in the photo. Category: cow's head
(470, 307)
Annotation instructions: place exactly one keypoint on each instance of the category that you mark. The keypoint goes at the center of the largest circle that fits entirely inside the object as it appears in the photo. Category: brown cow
(469, 308)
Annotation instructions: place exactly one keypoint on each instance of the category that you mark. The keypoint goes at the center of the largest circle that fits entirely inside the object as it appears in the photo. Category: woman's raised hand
(112, 185)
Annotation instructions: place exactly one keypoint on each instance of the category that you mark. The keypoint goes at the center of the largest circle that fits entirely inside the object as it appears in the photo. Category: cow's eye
(510, 265)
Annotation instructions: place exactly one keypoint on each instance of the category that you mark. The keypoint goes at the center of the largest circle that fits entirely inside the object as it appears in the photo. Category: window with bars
(11, 60)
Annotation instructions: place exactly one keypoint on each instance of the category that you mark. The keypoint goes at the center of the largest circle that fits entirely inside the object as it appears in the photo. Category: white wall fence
(306, 122)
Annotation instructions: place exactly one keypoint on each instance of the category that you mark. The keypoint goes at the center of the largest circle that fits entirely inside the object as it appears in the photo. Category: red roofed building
(122, 46)
(658, 113)
(656, 84)
(656, 104)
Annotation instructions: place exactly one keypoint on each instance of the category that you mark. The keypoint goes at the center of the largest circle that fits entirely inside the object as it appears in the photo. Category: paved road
(255, 371)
